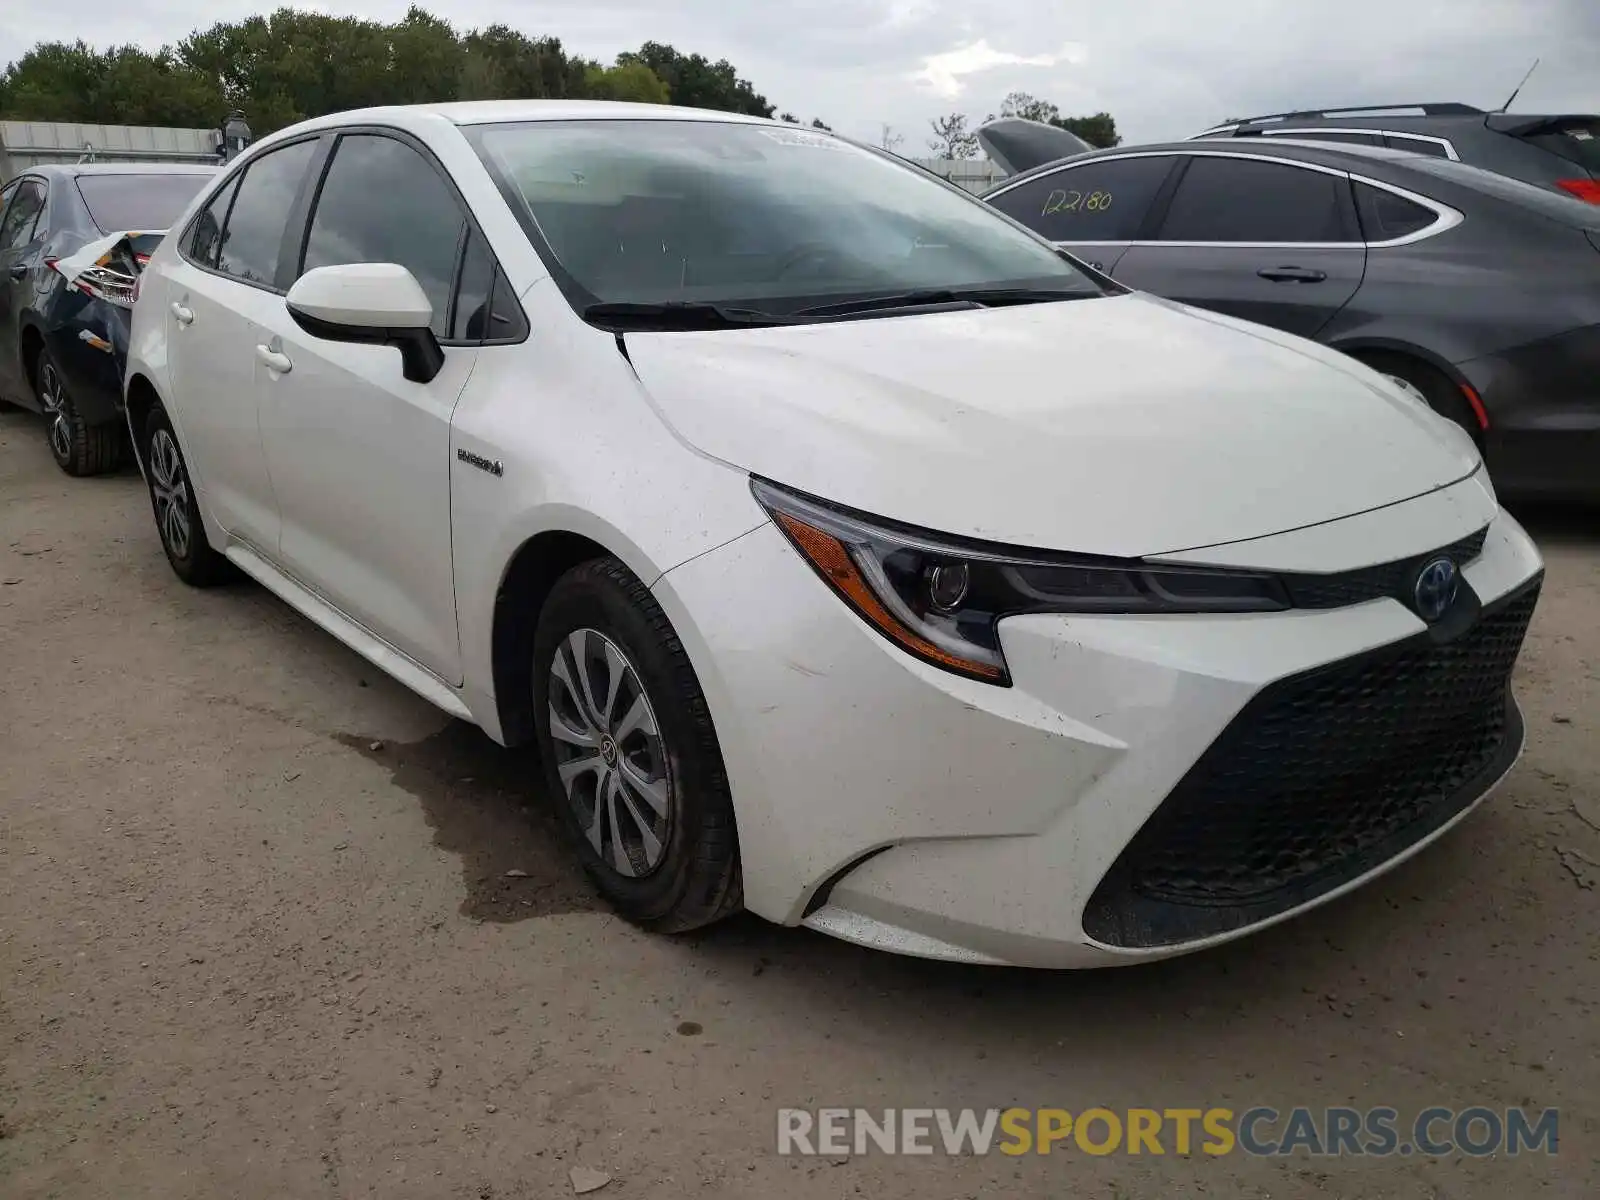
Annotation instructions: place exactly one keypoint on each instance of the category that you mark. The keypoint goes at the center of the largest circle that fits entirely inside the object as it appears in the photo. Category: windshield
(119, 202)
(760, 216)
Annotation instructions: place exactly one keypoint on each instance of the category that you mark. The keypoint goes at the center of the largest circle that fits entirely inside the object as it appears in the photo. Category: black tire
(78, 447)
(696, 880)
(171, 495)
(1441, 393)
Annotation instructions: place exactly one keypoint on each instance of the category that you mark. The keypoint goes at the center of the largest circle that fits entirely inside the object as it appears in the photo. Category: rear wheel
(630, 755)
(177, 509)
(78, 447)
(1432, 384)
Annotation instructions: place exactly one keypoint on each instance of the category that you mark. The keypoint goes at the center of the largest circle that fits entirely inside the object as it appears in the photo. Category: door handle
(274, 360)
(1292, 274)
(20, 271)
(184, 316)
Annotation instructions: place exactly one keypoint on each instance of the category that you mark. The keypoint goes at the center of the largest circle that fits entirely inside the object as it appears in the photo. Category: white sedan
(853, 556)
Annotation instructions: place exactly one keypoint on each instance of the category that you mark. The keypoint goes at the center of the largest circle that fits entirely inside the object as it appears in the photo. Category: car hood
(1124, 426)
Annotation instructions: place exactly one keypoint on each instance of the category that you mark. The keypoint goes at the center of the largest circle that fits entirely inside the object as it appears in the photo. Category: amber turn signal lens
(828, 555)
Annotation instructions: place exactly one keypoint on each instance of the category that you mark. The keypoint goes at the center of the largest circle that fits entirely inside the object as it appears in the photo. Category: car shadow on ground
(516, 866)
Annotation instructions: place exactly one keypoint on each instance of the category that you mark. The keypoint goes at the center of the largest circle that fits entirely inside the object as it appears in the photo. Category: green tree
(287, 65)
(121, 86)
(695, 81)
(951, 137)
(502, 63)
(1099, 130)
(427, 59)
(626, 81)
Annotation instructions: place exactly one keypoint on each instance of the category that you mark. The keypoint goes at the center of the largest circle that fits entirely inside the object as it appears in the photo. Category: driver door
(359, 455)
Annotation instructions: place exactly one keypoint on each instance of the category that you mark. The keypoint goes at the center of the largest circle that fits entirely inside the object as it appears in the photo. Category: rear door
(1268, 240)
(1093, 209)
(20, 238)
(220, 293)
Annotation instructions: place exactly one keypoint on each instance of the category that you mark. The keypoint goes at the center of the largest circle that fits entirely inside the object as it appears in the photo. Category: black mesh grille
(1393, 579)
(1318, 779)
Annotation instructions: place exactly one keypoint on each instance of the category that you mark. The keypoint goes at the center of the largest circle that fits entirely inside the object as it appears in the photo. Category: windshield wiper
(677, 314)
(929, 297)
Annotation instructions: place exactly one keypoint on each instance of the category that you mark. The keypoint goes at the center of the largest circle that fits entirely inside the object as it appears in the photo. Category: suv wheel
(630, 755)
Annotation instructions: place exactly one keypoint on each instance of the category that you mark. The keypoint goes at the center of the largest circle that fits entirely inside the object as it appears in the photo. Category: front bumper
(896, 805)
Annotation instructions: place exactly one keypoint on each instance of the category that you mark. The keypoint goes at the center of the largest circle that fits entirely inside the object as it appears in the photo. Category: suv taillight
(1583, 189)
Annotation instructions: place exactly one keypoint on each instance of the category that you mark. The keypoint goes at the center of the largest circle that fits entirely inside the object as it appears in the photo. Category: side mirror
(374, 304)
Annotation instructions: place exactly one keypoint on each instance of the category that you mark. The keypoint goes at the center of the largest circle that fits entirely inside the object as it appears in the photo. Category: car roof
(484, 112)
(73, 170)
(1327, 153)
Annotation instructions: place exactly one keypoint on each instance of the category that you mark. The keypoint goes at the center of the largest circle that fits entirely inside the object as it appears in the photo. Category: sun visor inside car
(1016, 145)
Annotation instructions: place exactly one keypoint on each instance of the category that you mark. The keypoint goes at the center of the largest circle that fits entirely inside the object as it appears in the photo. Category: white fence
(25, 144)
(973, 174)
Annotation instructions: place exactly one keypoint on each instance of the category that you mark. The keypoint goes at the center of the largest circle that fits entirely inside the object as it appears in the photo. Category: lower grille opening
(1320, 778)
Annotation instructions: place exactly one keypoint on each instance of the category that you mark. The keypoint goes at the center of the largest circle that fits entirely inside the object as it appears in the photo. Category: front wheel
(177, 509)
(630, 755)
(78, 447)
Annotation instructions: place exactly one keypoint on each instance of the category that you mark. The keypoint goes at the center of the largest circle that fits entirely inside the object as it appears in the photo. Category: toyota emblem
(1435, 591)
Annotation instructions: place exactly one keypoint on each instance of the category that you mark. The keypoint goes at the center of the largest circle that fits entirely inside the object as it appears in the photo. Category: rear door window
(1247, 200)
(1417, 145)
(205, 235)
(1102, 201)
(16, 230)
(1386, 216)
(138, 203)
(1342, 136)
(254, 233)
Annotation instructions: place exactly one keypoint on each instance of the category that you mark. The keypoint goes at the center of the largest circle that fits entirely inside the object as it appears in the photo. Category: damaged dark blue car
(73, 240)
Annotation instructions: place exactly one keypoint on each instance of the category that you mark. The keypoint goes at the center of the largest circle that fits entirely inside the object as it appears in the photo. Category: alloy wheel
(609, 753)
(169, 487)
(57, 409)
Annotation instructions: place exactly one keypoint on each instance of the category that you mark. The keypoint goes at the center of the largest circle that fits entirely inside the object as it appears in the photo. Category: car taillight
(1583, 189)
(113, 287)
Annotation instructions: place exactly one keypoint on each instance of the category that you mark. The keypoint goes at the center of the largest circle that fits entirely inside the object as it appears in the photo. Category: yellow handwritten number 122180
(1060, 201)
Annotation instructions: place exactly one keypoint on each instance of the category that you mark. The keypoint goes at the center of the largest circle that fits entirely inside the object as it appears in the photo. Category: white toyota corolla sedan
(852, 555)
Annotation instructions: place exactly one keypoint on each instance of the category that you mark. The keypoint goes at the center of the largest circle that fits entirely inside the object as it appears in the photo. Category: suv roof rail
(1446, 109)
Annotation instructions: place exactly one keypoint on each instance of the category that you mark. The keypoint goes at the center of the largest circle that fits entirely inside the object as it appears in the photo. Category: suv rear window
(1576, 141)
(149, 203)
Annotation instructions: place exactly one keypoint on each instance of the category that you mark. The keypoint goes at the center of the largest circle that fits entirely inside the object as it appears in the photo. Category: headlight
(941, 599)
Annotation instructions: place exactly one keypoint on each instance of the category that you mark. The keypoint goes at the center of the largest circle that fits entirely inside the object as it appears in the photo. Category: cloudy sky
(1163, 68)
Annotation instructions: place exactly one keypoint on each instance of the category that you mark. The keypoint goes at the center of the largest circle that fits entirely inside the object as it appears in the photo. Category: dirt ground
(257, 940)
